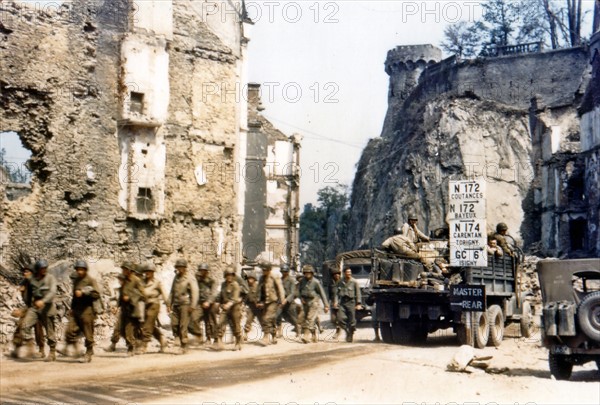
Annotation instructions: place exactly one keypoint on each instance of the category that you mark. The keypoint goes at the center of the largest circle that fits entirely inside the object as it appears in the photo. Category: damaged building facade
(137, 128)
(272, 197)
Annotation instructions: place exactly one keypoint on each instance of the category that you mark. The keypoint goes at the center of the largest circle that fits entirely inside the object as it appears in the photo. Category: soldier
(493, 248)
(153, 291)
(310, 290)
(347, 298)
(183, 300)
(231, 310)
(411, 231)
(336, 275)
(500, 235)
(26, 295)
(252, 299)
(130, 297)
(43, 309)
(287, 309)
(82, 315)
(271, 295)
(206, 311)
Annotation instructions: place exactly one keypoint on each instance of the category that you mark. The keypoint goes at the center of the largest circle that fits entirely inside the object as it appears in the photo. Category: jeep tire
(588, 316)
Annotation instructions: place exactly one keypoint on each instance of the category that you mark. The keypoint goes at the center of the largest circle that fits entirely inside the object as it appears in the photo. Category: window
(136, 102)
(145, 203)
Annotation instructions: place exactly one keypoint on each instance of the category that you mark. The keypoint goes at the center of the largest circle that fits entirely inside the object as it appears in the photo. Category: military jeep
(571, 313)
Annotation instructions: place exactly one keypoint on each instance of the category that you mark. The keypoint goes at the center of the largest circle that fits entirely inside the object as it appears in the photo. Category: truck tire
(526, 323)
(401, 332)
(588, 316)
(496, 320)
(386, 332)
(481, 329)
(560, 368)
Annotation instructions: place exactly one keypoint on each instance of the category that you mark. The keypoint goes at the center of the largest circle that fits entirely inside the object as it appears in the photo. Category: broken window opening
(145, 203)
(577, 233)
(136, 102)
(13, 159)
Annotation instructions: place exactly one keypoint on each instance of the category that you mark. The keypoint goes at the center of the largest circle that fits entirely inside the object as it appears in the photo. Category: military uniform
(252, 310)
(413, 234)
(153, 291)
(401, 245)
(271, 294)
(310, 292)
(82, 315)
(206, 311)
(334, 317)
(43, 289)
(183, 299)
(288, 310)
(230, 300)
(131, 295)
(346, 298)
(27, 296)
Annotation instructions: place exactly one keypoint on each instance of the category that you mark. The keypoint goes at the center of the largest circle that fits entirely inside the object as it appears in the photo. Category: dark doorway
(577, 232)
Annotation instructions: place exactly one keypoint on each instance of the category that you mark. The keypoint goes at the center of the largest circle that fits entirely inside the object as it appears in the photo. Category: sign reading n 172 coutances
(467, 297)
(466, 217)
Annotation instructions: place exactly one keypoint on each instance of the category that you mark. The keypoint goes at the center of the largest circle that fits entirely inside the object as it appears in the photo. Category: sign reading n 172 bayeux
(466, 218)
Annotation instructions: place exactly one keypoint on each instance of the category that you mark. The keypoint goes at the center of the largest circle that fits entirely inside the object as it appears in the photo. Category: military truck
(359, 261)
(571, 313)
(412, 301)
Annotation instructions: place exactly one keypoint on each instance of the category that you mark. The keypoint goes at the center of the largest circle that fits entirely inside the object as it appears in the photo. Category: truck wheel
(386, 332)
(419, 334)
(481, 328)
(560, 368)
(496, 320)
(526, 322)
(401, 333)
(588, 315)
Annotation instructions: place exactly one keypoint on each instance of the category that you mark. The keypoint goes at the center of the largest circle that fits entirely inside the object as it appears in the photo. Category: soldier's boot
(279, 332)
(40, 354)
(298, 331)
(51, 355)
(142, 347)
(218, 345)
(314, 336)
(111, 348)
(336, 335)
(265, 340)
(349, 336)
(245, 337)
(306, 336)
(15, 352)
(183, 349)
(87, 357)
(163, 344)
(377, 337)
(130, 351)
(274, 338)
(238, 343)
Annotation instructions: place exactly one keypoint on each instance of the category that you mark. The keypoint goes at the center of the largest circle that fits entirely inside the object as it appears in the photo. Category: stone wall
(464, 118)
(116, 113)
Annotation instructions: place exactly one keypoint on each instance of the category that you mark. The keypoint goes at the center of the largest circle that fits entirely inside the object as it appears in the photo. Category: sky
(321, 67)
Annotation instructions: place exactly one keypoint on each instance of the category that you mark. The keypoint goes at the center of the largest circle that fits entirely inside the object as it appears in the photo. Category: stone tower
(405, 64)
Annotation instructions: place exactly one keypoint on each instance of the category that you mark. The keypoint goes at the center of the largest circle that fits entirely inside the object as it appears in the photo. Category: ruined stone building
(136, 121)
(511, 119)
(272, 179)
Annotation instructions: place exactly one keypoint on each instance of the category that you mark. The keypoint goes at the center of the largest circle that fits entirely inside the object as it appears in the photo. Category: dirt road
(290, 372)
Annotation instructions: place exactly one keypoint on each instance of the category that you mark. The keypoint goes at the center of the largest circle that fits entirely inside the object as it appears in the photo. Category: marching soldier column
(195, 304)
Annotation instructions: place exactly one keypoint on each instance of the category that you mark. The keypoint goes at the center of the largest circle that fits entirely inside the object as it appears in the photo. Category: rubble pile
(529, 279)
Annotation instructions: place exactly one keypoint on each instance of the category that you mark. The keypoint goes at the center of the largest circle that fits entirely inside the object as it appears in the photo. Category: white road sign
(466, 218)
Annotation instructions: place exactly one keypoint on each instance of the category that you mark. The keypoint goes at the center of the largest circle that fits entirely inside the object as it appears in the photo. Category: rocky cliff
(461, 118)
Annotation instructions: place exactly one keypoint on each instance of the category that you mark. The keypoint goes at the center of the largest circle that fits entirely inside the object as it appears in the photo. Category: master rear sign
(466, 218)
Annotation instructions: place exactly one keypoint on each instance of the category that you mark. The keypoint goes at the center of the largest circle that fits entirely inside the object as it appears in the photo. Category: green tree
(323, 228)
